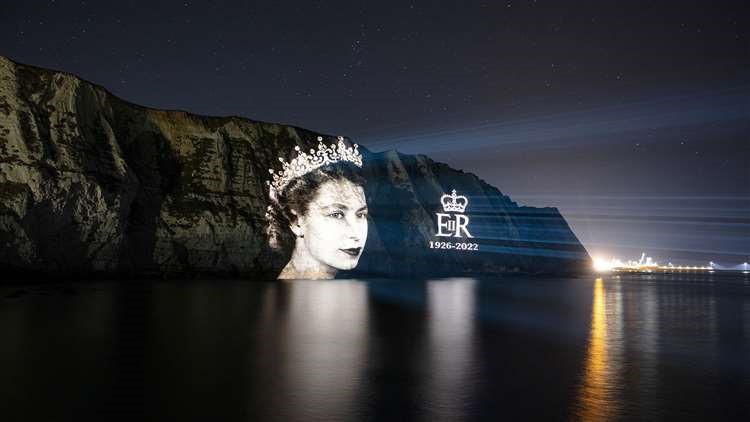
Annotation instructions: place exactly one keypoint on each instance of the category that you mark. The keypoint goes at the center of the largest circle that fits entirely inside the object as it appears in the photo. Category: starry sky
(633, 118)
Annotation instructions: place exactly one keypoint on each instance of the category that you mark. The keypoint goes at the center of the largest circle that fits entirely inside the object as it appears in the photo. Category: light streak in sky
(678, 224)
(581, 127)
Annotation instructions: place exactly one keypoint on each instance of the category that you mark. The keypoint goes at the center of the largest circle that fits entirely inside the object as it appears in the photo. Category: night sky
(633, 118)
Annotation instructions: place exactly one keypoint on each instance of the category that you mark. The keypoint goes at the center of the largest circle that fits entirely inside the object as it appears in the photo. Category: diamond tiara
(305, 163)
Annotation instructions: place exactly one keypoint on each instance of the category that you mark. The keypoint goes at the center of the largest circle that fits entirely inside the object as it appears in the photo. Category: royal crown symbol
(453, 202)
(305, 163)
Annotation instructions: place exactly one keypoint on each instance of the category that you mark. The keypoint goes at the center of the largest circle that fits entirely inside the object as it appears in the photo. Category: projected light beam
(574, 128)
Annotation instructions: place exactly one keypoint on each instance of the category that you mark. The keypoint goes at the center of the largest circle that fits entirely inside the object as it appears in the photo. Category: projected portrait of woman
(318, 214)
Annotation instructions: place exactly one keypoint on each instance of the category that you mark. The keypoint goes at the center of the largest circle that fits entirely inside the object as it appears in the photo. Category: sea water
(585, 348)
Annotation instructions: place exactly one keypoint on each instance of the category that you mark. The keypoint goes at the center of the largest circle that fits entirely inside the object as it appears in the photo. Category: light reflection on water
(323, 360)
(596, 398)
(648, 337)
(450, 306)
(455, 349)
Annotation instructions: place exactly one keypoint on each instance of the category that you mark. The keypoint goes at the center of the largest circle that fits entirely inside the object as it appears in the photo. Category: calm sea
(610, 348)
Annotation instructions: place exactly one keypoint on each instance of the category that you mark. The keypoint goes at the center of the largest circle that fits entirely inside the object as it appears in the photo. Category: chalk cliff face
(91, 185)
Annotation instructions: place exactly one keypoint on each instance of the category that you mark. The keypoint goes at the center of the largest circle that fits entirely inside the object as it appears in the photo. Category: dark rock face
(91, 185)
(404, 192)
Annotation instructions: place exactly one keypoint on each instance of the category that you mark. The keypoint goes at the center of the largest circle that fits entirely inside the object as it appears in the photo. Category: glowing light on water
(598, 392)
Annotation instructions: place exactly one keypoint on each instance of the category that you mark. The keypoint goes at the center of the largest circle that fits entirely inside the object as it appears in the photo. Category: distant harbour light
(602, 265)
(646, 264)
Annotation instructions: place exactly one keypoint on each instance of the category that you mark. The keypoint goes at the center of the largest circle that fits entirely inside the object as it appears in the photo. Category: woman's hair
(295, 199)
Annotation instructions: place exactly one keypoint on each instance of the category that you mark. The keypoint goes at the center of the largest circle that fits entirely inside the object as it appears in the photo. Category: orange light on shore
(602, 265)
(646, 264)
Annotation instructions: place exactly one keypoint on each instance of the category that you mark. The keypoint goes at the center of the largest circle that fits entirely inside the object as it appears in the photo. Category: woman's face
(335, 227)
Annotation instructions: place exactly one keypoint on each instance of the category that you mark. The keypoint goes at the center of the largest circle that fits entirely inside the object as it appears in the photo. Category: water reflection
(646, 339)
(689, 340)
(461, 349)
(451, 331)
(324, 326)
(597, 396)
(642, 329)
(49, 337)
